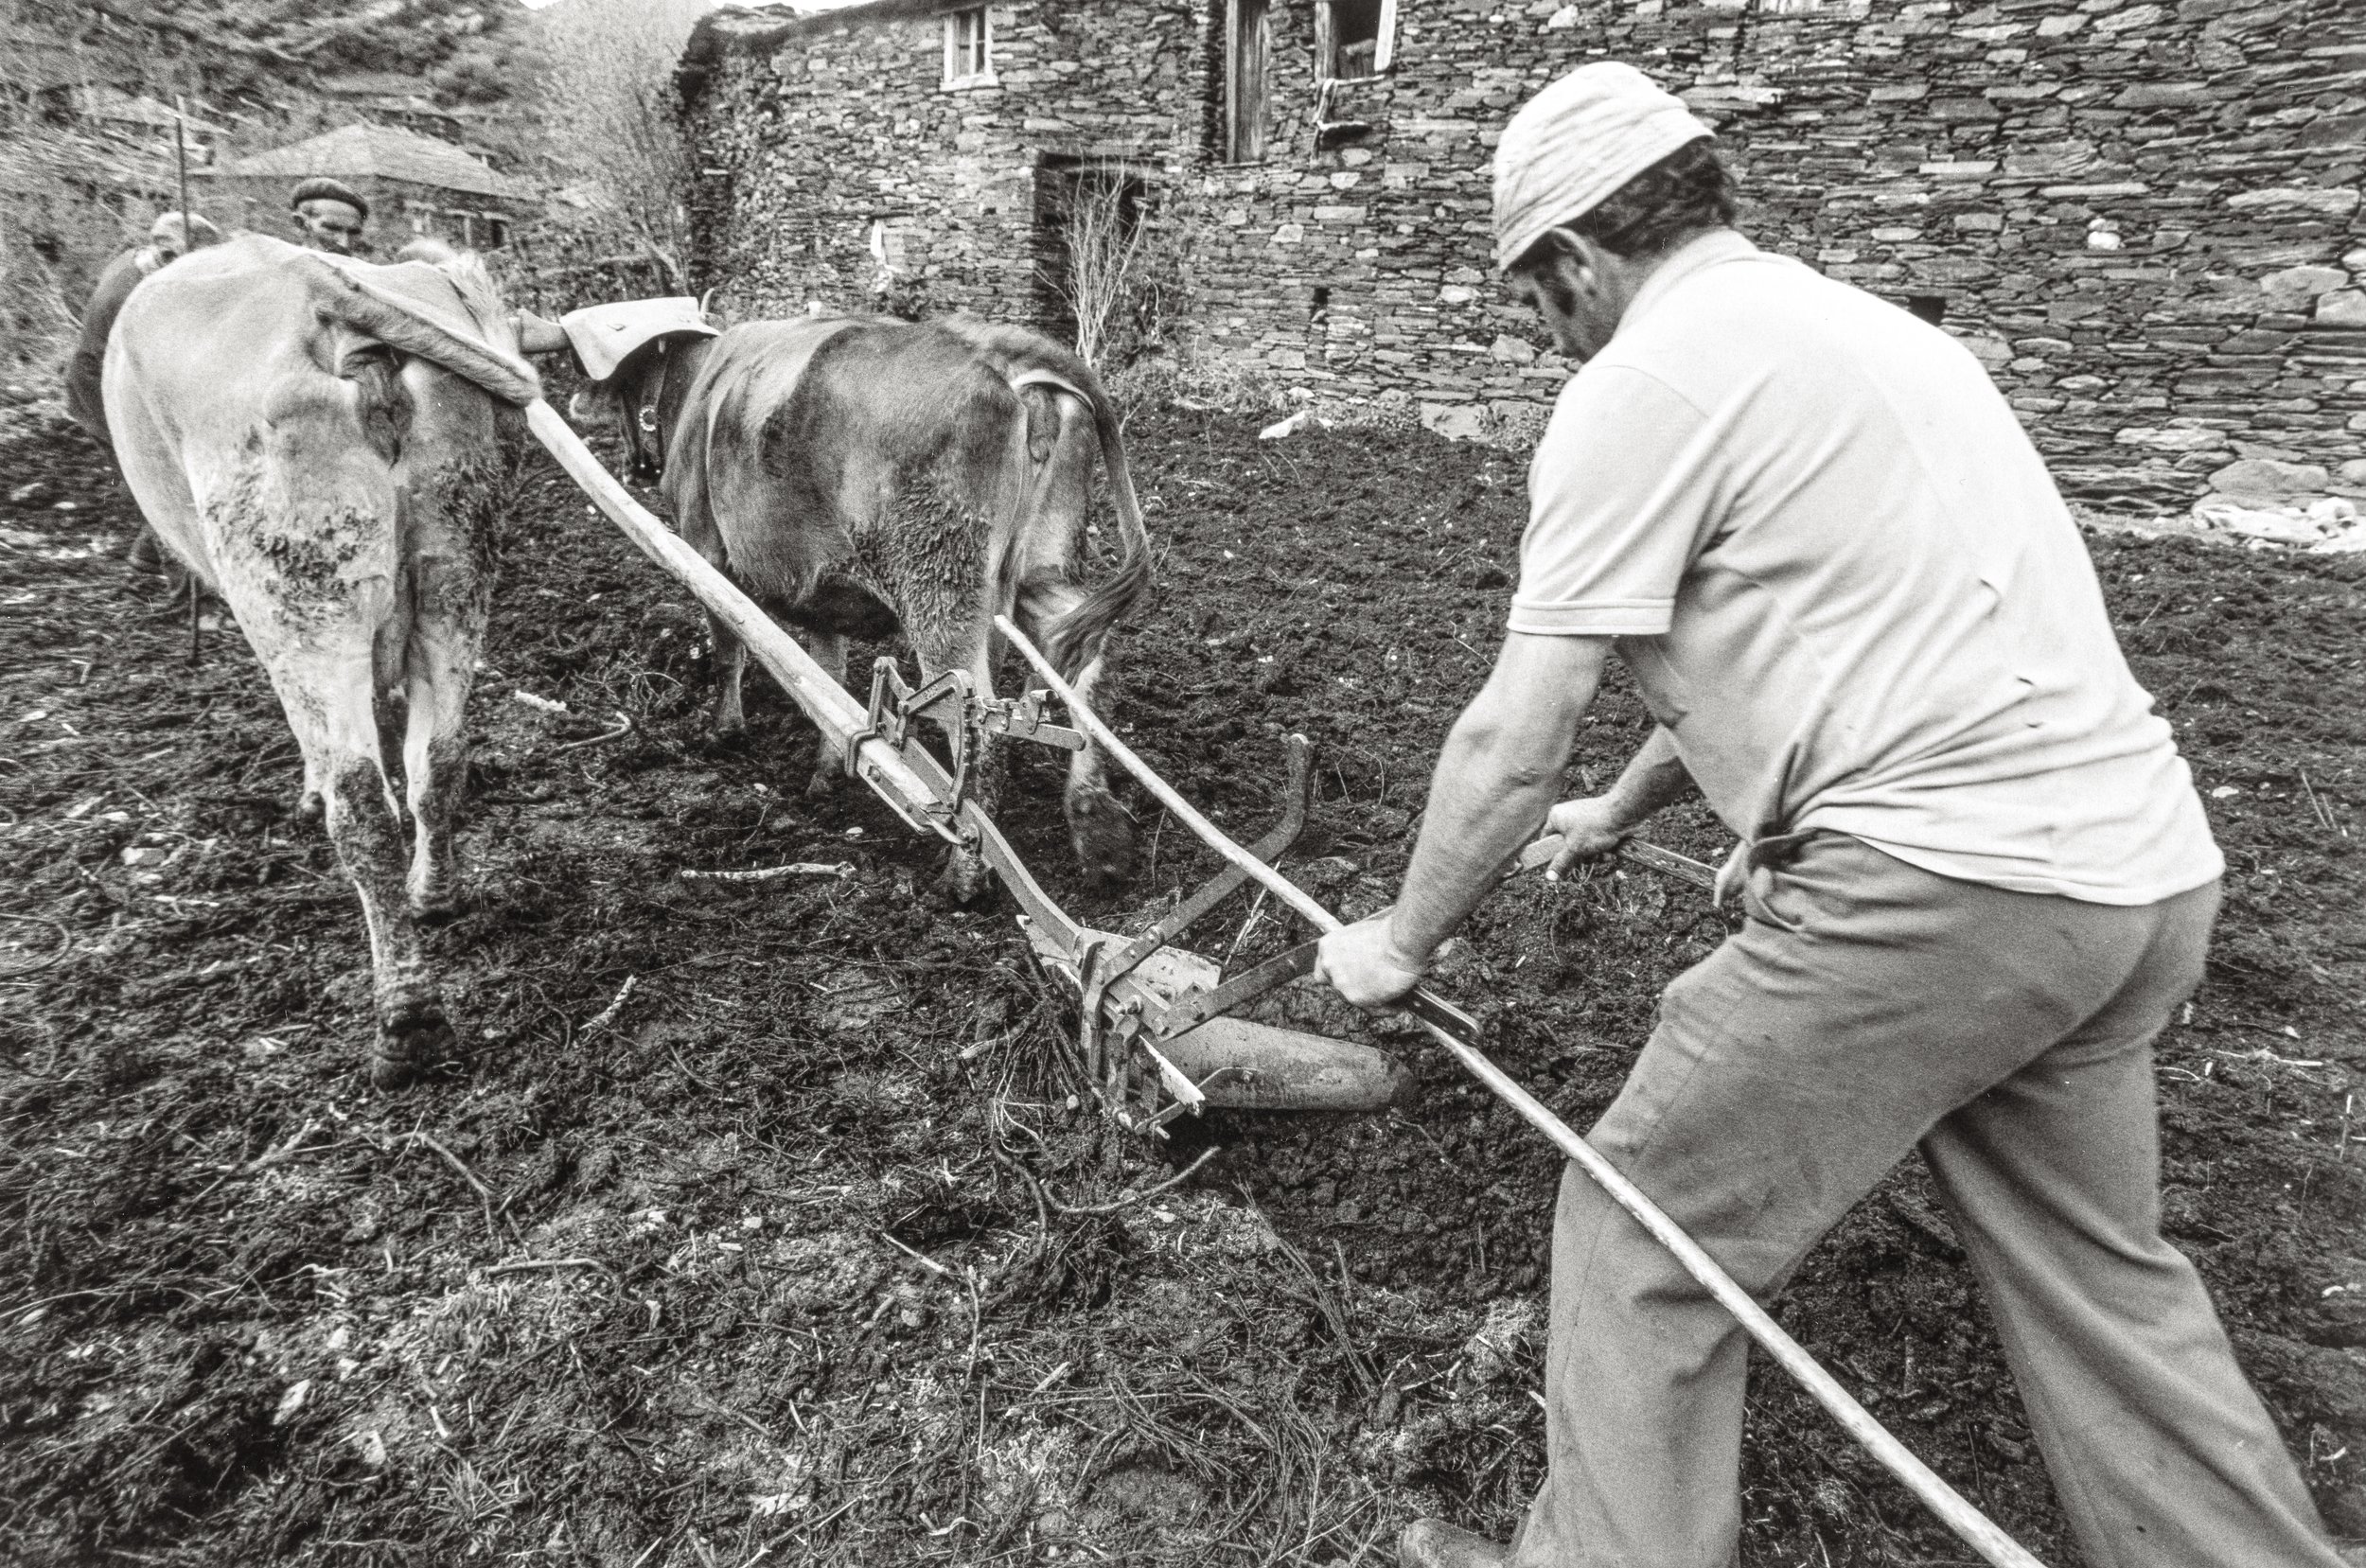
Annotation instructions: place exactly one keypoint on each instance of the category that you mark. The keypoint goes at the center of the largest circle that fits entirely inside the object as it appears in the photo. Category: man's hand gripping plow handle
(1456, 1031)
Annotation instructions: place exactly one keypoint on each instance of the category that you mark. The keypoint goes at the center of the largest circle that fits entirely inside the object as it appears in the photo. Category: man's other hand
(1362, 963)
(1590, 828)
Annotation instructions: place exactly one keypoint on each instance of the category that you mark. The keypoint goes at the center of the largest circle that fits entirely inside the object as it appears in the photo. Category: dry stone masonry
(2143, 217)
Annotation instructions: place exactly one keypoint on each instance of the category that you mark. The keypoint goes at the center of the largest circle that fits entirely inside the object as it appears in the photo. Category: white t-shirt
(1845, 581)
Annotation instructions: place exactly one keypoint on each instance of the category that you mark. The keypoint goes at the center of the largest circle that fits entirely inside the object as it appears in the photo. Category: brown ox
(859, 474)
(316, 440)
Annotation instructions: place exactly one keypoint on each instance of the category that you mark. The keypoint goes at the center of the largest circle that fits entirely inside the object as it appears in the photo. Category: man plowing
(1976, 872)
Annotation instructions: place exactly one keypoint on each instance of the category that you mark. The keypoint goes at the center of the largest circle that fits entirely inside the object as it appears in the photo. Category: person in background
(168, 238)
(1977, 875)
(329, 215)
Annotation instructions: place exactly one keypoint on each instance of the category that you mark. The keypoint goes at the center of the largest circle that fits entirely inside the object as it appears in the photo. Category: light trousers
(1867, 1009)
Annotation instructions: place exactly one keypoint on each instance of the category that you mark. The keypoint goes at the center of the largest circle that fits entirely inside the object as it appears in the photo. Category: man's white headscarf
(1575, 143)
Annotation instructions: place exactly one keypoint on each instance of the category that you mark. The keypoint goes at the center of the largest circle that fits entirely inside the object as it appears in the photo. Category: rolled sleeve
(1622, 490)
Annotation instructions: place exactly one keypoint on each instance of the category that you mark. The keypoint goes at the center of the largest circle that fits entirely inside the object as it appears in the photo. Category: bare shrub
(1118, 273)
(605, 102)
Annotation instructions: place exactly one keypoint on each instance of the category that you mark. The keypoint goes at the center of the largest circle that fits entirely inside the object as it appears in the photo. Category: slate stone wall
(2143, 217)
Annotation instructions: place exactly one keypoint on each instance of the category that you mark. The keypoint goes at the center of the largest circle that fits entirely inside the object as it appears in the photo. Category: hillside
(86, 122)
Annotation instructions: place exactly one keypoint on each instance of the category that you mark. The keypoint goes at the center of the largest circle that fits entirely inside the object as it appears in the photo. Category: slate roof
(385, 152)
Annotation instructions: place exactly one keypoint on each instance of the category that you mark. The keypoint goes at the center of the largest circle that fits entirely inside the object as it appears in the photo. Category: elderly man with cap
(1976, 874)
(328, 215)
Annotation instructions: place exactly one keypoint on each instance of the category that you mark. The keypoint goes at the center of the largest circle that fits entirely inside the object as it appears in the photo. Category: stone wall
(2143, 217)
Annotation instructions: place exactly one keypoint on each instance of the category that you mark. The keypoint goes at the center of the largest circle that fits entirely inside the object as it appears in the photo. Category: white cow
(315, 438)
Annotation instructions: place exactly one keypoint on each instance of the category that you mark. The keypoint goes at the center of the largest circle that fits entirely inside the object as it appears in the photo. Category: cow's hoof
(1103, 835)
(310, 807)
(439, 907)
(410, 1039)
(824, 781)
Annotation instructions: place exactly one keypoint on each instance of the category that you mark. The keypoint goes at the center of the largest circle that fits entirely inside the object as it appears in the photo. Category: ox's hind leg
(829, 764)
(328, 696)
(730, 663)
(1098, 826)
(439, 666)
(965, 647)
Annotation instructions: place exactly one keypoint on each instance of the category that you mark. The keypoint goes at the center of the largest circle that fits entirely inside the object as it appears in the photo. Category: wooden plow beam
(1143, 1075)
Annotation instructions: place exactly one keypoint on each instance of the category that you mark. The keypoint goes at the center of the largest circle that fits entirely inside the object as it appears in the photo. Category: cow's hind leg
(730, 663)
(829, 764)
(966, 874)
(328, 704)
(439, 667)
(1098, 827)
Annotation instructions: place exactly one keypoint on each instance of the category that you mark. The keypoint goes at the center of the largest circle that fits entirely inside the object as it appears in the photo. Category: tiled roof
(380, 151)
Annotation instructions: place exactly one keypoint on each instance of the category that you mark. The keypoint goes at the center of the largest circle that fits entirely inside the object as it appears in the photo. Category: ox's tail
(1071, 639)
(409, 326)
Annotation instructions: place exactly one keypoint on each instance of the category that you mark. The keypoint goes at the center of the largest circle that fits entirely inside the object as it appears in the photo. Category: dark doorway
(1100, 206)
(1347, 39)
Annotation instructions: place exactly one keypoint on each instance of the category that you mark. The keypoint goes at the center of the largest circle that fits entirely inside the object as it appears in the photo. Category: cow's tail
(1072, 639)
(404, 327)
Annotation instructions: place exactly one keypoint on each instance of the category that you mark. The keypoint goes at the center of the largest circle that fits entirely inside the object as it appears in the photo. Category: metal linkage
(1146, 1027)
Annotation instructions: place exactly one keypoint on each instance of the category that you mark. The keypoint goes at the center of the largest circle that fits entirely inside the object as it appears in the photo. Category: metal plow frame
(1144, 1074)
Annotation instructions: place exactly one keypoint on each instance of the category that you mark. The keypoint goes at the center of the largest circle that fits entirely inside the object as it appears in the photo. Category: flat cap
(1574, 144)
(320, 187)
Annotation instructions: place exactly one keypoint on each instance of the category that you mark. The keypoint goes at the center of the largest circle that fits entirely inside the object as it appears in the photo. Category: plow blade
(1241, 1065)
(1235, 1063)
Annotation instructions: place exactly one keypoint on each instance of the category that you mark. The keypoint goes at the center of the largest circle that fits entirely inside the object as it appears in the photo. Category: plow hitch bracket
(894, 704)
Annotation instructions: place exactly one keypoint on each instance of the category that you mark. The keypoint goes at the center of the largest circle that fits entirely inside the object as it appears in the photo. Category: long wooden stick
(1978, 1531)
(181, 157)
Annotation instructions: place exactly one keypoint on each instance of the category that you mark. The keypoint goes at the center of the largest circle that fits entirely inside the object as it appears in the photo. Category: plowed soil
(747, 1264)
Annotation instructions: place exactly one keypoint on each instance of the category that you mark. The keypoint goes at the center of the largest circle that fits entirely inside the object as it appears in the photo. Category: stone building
(416, 184)
(2143, 216)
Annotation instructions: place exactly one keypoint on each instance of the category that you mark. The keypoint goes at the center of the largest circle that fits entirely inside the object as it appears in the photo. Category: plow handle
(1981, 1533)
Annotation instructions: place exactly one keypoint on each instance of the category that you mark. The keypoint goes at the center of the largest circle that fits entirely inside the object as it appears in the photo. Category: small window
(1247, 46)
(1354, 38)
(969, 48)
